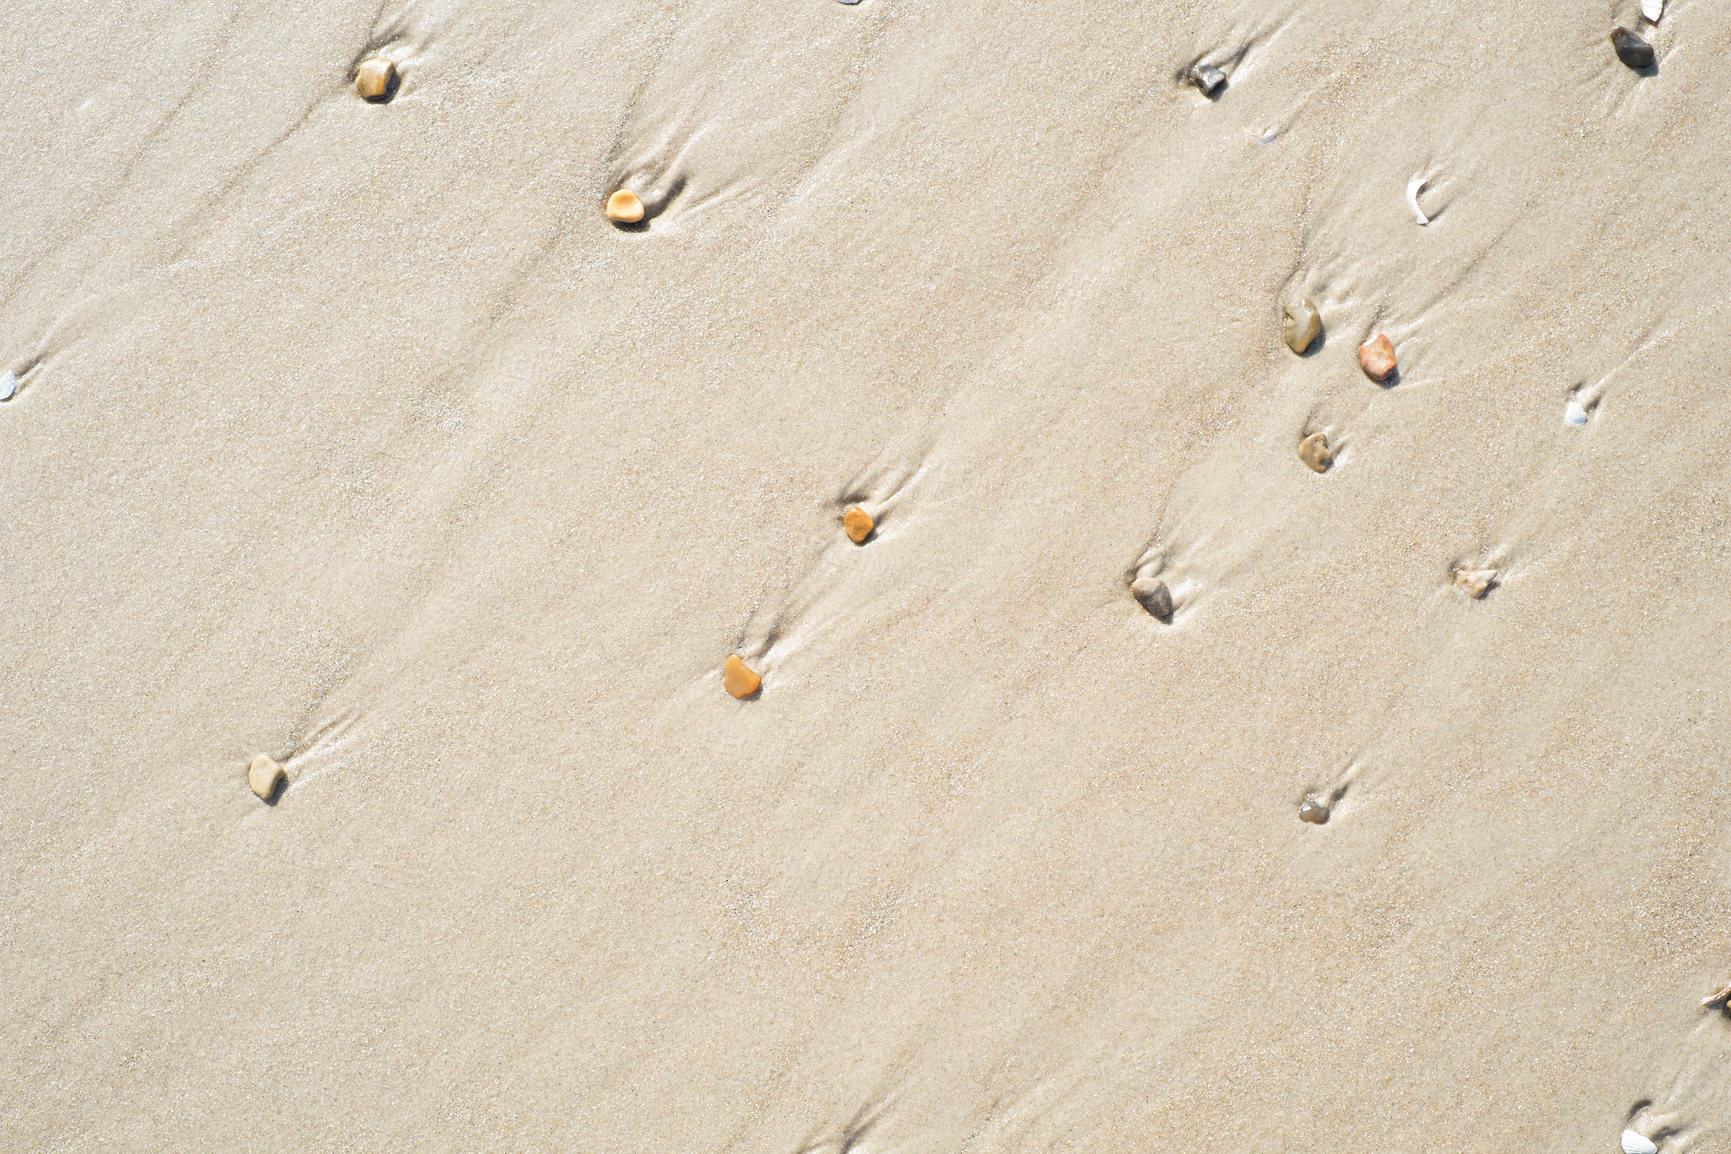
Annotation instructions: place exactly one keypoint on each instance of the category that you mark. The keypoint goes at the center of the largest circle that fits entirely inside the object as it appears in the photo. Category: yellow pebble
(624, 207)
(1314, 451)
(738, 679)
(374, 77)
(859, 524)
(265, 776)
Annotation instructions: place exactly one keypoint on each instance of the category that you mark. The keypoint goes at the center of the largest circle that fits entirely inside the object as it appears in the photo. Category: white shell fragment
(1652, 10)
(8, 385)
(264, 775)
(1476, 582)
(1634, 1143)
(1573, 414)
(1413, 188)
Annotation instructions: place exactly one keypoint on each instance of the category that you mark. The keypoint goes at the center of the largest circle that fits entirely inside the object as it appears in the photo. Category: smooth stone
(859, 525)
(1573, 414)
(8, 385)
(1631, 49)
(1208, 78)
(373, 78)
(1634, 1142)
(1151, 593)
(1476, 582)
(264, 775)
(624, 207)
(1314, 451)
(1303, 322)
(1377, 357)
(738, 678)
(1313, 810)
(1652, 10)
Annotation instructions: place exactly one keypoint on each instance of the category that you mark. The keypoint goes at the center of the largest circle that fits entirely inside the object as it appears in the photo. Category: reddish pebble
(1377, 357)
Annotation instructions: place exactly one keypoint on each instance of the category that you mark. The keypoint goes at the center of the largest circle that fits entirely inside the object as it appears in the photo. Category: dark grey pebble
(1208, 78)
(1631, 49)
(1151, 593)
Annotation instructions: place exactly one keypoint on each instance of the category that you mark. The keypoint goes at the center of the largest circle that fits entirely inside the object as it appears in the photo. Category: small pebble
(1151, 593)
(1652, 10)
(738, 679)
(1208, 78)
(1303, 322)
(375, 77)
(8, 385)
(859, 524)
(1377, 357)
(624, 207)
(1314, 451)
(1634, 1142)
(265, 776)
(1631, 49)
(1573, 414)
(1313, 810)
(1476, 582)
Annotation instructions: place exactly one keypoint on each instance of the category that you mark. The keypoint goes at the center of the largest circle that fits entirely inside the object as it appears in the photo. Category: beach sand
(354, 434)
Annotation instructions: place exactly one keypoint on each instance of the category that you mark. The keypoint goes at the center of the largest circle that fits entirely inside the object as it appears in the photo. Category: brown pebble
(1151, 593)
(1377, 357)
(859, 524)
(1313, 810)
(624, 207)
(374, 78)
(738, 679)
(1476, 582)
(1314, 451)
(264, 775)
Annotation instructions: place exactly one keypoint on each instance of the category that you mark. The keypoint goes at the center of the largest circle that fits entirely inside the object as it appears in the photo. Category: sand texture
(352, 433)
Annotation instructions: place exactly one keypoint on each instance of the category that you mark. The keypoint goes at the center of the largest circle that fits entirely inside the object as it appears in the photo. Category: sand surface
(355, 435)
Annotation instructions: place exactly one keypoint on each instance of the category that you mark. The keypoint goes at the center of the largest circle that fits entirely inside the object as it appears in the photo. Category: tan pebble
(738, 679)
(859, 524)
(374, 77)
(1303, 322)
(1314, 451)
(1476, 582)
(265, 776)
(624, 207)
(1377, 357)
(1151, 593)
(1313, 810)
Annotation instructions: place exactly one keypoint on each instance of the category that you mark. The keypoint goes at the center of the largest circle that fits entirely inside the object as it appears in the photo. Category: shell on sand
(1303, 322)
(264, 775)
(1574, 414)
(1652, 10)
(1151, 593)
(1313, 810)
(624, 207)
(1376, 356)
(858, 523)
(8, 385)
(1314, 451)
(1634, 1142)
(739, 679)
(1476, 582)
(1413, 188)
(373, 78)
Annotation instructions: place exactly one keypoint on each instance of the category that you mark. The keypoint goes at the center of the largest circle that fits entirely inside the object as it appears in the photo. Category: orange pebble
(373, 78)
(738, 679)
(624, 207)
(1377, 357)
(859, 524)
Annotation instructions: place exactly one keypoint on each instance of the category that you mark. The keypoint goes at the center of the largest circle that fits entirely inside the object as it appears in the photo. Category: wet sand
(355, 435)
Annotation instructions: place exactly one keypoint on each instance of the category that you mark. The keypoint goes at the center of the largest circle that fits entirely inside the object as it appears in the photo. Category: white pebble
(8, 385)
(1573, 414)
(264, 775)
(1652, 10)
(1634, 1143)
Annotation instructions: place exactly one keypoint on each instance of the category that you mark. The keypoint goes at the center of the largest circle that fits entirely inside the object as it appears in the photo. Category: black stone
(1631, 49)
